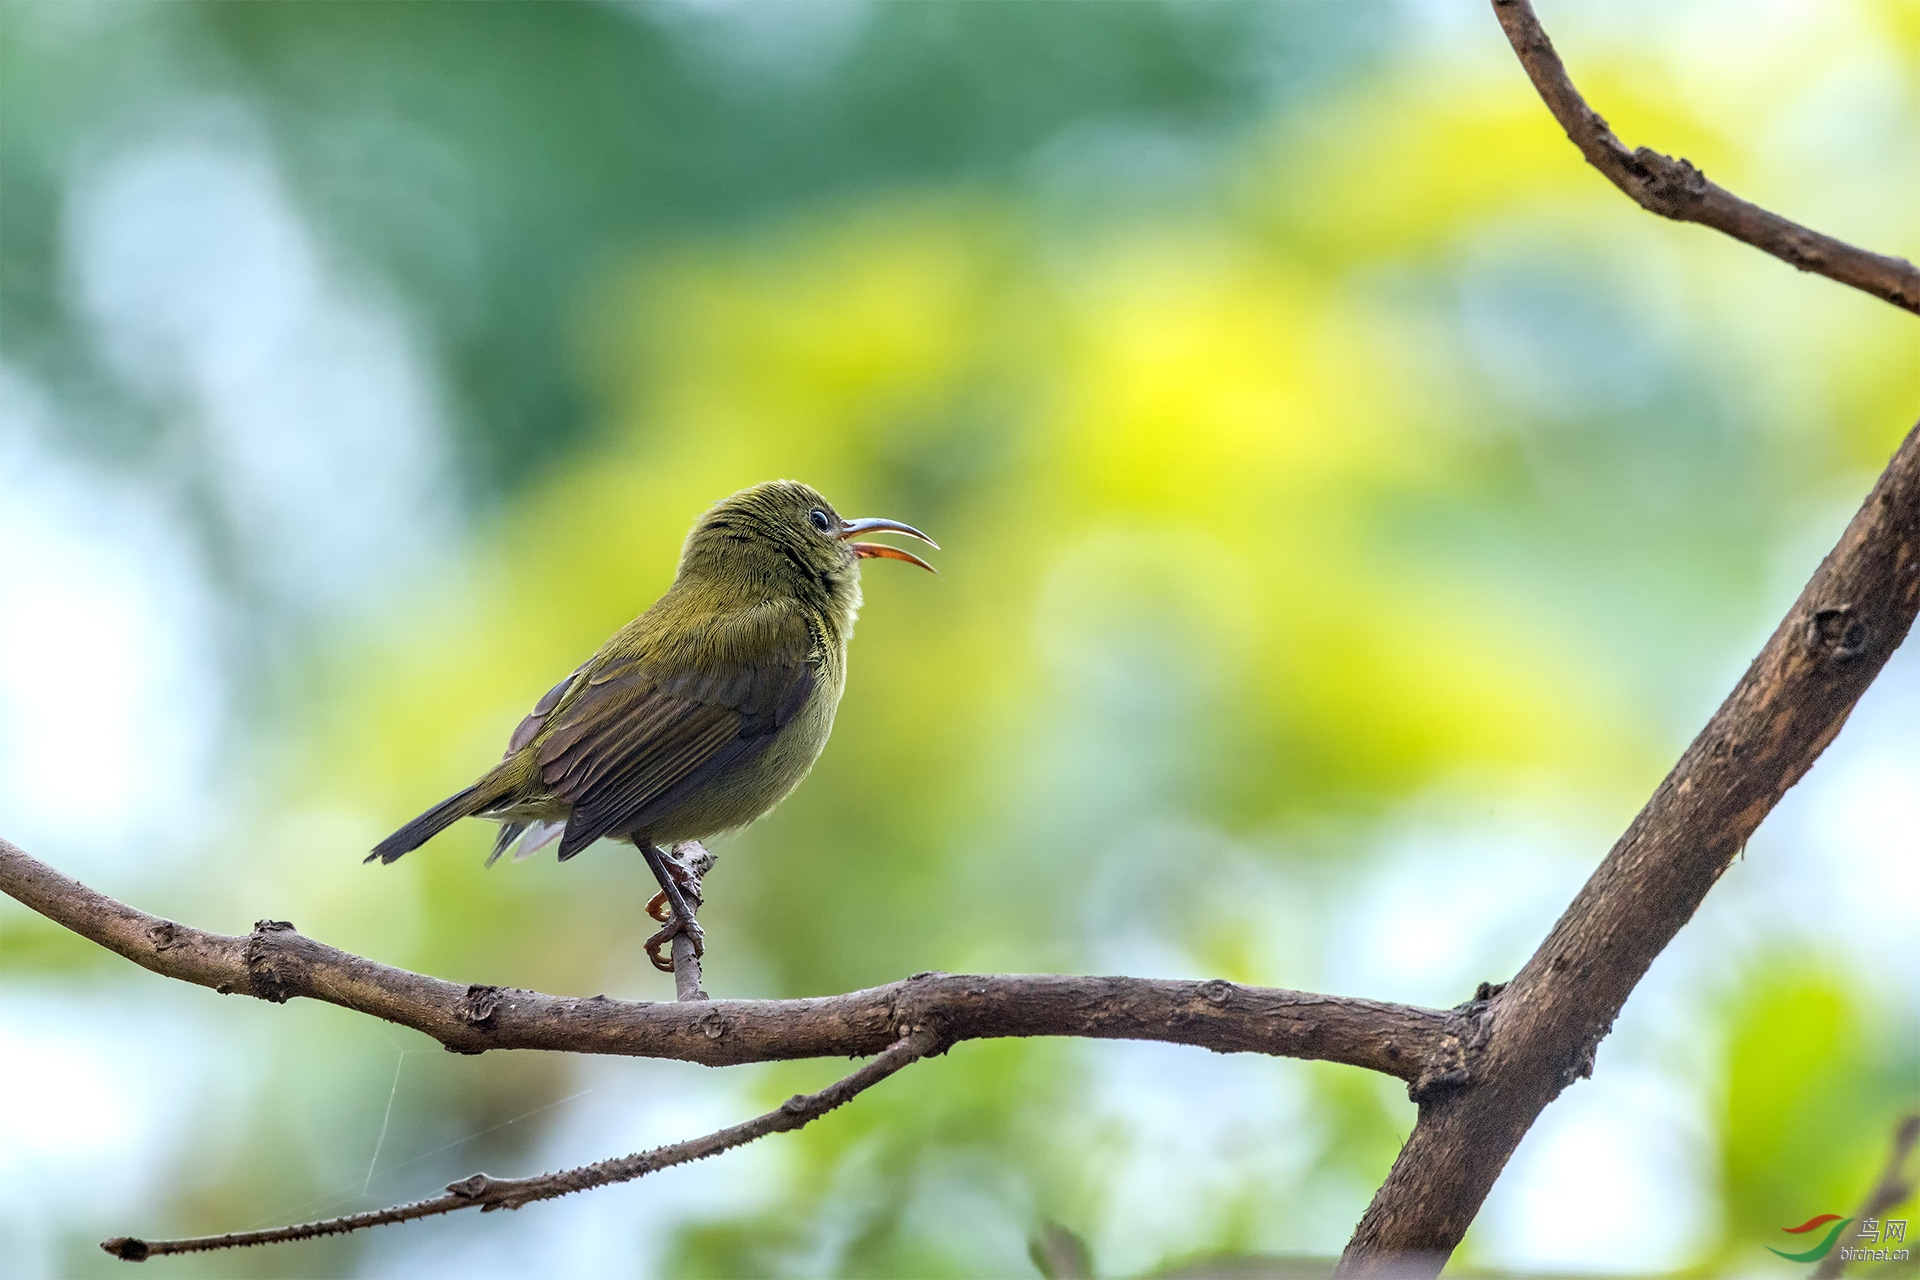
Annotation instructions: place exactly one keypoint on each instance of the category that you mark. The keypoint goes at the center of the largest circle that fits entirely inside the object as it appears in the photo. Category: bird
(701, 714)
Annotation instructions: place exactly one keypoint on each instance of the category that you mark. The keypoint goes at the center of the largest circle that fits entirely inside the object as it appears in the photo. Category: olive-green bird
(701, 714)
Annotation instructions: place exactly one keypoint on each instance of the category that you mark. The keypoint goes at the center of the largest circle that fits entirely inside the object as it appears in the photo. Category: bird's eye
(820, 519)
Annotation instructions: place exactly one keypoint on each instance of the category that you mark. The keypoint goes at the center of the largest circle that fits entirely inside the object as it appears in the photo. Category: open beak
(880, 550)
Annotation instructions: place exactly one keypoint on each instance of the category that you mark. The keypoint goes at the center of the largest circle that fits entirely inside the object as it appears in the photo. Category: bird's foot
(686, 862)
(663, 960)
(678, 872)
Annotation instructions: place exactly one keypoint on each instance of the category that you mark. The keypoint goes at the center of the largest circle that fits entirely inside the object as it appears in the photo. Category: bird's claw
(684, 867)
(663, 961)
(689, 884)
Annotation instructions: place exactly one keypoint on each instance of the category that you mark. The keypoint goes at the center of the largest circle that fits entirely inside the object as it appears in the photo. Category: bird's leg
(682, 921)
(686, 863)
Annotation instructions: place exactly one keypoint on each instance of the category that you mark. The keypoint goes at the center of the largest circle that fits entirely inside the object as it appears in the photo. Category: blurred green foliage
(491, 161)
(1812, 1077)
(1311, 438)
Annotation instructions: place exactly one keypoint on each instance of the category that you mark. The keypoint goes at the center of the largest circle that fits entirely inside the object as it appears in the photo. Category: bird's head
(783, 538)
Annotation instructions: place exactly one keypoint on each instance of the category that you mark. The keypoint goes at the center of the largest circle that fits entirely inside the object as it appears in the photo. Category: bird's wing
(645, 730)
(528, 728)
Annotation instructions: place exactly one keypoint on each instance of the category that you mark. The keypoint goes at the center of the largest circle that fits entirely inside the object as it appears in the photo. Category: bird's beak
(879, 550)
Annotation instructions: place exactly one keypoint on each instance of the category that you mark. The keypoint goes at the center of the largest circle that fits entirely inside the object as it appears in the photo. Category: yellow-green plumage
(701, 714)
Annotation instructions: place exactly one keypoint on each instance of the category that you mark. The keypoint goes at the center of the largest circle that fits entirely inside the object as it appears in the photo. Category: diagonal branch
(1895, 1186)
(1675, 189)
(487, 1193)
(275, 963)
(1540, 1033)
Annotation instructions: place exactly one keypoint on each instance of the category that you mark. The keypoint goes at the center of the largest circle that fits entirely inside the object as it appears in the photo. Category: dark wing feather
(530, 727)
(636, 739)
(692, 742)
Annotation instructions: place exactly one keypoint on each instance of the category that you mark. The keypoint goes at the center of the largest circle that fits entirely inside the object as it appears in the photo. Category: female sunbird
(702, 713)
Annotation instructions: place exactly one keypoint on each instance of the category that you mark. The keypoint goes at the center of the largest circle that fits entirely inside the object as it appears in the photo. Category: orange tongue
(881, 551)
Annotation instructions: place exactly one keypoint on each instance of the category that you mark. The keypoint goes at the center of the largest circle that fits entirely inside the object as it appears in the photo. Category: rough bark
(1538, 1035)
(276, 963)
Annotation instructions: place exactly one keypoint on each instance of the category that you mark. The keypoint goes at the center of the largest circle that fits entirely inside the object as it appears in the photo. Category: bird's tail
(463, 804)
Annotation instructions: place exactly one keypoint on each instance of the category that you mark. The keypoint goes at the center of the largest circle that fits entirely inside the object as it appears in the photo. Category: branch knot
(479, 1006)
(1451, 1066)
(268, 985)
(1670, 187)
(473, 1187)
(126, 1248)
(1837, 631)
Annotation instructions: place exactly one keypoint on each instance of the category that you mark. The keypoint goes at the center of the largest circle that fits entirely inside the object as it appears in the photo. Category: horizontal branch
(1675, 189)
(1421, 1046)
(488, 1193)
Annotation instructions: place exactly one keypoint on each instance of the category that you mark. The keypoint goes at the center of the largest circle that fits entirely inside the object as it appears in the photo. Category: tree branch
(686, 971)
(1675, 189)
(275, 963)
(1890, 1192)
(1481, 1073)
(1540, 1033)
(901, 1022)
(686, 961)
(488, 1193)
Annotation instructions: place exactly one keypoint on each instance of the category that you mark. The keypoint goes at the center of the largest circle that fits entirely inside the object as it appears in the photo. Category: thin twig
(1675, 189)
(1059, 1254)
(488, 1193)
(693, 856)
(686, 970)
(1896, 1184)
(277, 963)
